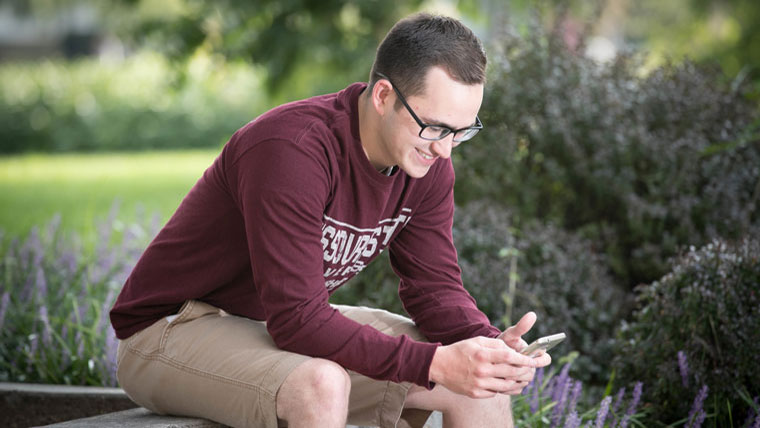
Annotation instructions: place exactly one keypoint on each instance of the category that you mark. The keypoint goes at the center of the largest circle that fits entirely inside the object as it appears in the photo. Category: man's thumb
(523, 326)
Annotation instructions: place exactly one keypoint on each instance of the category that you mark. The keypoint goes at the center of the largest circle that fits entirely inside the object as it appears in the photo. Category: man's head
(419, 42)
(425, 91)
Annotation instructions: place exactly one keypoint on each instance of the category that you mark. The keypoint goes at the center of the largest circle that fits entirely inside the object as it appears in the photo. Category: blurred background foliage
(621, 153)
(145, 74)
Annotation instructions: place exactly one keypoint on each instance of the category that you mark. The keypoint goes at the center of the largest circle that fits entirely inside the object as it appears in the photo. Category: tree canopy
(323, 37)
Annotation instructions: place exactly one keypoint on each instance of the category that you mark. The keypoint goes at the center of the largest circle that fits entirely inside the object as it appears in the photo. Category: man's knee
(317, 385)
(324, 378)
(440, 398)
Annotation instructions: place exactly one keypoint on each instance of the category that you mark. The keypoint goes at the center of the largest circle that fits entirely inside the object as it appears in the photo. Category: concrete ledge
(27, 404)
(137, 418)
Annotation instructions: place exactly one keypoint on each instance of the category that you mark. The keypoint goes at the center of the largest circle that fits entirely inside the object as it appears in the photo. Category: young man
(226, 314)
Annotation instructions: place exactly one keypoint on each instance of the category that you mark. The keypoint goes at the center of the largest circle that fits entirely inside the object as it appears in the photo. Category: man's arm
(424, 258)
(478, 361)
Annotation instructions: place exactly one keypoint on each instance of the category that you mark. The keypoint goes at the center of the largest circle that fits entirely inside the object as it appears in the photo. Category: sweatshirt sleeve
(424, 258)
(282, 189)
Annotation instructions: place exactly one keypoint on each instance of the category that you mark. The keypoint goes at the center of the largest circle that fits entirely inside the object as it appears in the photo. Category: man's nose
(442, 148)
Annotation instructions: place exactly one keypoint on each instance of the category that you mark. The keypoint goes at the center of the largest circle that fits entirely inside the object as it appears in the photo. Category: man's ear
(382, 96)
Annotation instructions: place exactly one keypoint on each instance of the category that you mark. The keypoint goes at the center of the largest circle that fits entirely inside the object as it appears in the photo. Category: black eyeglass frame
(477, 127)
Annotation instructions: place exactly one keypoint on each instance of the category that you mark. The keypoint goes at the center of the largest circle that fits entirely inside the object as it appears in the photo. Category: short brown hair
(421, 41)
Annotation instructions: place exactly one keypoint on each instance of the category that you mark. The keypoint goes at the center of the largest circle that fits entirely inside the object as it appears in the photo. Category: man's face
(443, 102)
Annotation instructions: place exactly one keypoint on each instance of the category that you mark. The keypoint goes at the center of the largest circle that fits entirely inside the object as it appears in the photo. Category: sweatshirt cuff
(426, 353)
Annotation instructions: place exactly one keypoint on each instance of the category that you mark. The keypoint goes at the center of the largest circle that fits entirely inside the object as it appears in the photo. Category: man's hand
(513, 338)
(481, 367)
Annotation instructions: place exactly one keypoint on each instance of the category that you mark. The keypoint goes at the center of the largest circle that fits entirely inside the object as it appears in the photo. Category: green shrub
(139, 103)
(554, 273)
(642, 164)
(708, 310)
(547, 270)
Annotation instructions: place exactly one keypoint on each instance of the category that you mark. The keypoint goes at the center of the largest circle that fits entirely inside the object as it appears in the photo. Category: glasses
(437, 132)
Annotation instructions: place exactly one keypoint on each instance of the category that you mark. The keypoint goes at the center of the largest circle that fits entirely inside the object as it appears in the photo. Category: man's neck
(368, 124)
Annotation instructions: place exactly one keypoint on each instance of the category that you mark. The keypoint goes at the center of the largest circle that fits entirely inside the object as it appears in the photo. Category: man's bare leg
(315, 394)
(461, 411)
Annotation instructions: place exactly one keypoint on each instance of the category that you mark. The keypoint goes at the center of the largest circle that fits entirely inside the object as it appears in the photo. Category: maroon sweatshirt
(290, 210)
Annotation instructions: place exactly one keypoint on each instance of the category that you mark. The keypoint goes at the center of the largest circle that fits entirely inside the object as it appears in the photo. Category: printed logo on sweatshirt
(348, 249)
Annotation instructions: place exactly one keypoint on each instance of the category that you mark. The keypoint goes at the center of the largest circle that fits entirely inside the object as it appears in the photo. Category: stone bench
(25, 405)
(137, 418)
(141, 417)
(28, 404)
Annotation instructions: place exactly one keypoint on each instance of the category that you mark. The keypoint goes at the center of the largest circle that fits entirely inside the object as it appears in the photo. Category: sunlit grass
(83, 187)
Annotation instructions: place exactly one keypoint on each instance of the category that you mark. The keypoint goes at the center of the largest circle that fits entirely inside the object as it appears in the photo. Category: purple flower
(41, 285)
(753, 414)
(537, 381)
(121, 276)
(576, 394)
(700, 418)
(100, 270)
(80, 344)
(67, 265)
(616, 405)
(46, 337)
(573, 420)
(560, 383)
(683, 367)
(110, 356)
(32, 346)
(4, 307)
(26, 290)
(30, 249)
(66, 358)
(624, 422)
(559, 408)
(697, 414)
(601, 415)
(637, 389)
(105, 228)
(155, 224)
(104, 310)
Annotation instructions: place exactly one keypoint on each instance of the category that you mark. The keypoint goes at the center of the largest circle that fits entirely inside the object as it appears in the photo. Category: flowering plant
(55, 296)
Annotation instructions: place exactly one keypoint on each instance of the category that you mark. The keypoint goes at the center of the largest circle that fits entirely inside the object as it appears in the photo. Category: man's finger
(502, 386)
(522, 326)
(510, 372)
(519, 345)
(543, 360)
(508, 355)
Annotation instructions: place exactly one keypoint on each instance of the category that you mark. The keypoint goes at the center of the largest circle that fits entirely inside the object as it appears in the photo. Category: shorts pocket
(190, 310)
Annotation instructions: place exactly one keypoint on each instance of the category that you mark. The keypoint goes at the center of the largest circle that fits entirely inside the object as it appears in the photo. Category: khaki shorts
(209, 364)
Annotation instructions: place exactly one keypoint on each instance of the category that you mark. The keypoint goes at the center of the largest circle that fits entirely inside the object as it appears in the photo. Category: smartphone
(543, 344)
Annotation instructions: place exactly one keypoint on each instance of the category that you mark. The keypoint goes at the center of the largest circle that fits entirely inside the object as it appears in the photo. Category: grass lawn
(82, 188)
